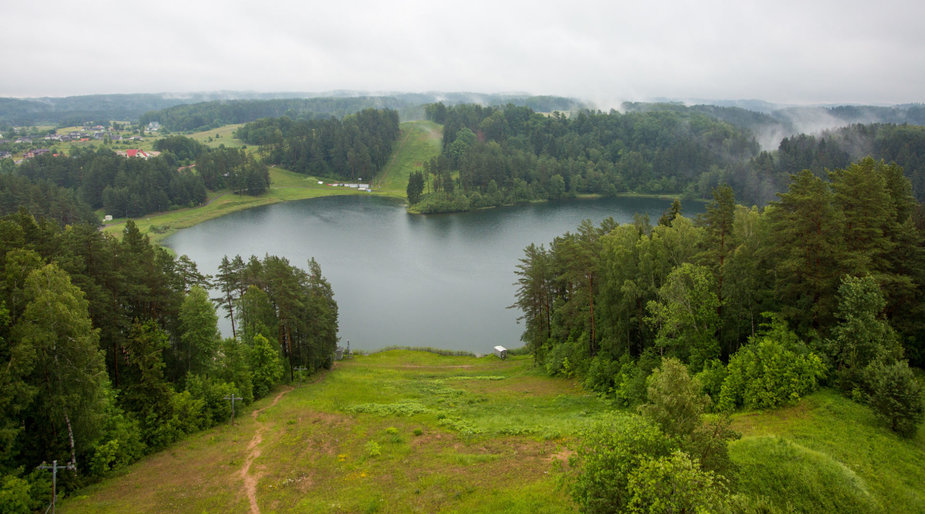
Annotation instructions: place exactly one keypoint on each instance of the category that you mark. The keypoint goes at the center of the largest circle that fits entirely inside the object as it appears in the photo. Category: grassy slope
(481, 435)
(420, 140)
(471, 435)
(827, 449)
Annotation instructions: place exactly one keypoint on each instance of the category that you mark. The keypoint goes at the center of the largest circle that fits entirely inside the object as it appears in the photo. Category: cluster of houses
(141, 154)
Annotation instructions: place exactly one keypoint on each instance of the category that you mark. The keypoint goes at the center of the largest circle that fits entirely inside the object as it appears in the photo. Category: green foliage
(215, 407)
(861, 335)
(685, 315)
(68, 374)
(630, 382)
(199, 337)
(353, 148)
(675, 400)
(373, 449)
(775, 368)
(266, 366)
(15, 495)
(895, 395)
(608, 454)
(119, 444)
(674, 483)
(415, 187)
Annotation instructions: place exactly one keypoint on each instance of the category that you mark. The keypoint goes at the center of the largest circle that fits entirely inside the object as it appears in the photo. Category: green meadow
(412, 431)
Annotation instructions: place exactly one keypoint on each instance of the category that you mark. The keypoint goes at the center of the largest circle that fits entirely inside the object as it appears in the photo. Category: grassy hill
(414, 431)
(419, 141)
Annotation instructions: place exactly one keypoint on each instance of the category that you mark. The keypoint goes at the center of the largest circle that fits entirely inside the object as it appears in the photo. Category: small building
(501, 352)
(107, 218)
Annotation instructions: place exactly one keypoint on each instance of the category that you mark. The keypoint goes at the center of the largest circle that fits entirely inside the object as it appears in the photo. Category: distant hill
(772, 123)
(217, 108)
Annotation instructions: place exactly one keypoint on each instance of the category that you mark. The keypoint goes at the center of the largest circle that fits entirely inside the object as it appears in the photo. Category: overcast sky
(787, 51)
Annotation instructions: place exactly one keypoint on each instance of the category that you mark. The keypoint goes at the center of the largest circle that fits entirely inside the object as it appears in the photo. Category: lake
(443, 281)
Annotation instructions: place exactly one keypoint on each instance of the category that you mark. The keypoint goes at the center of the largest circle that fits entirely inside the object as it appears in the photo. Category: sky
(606, 52)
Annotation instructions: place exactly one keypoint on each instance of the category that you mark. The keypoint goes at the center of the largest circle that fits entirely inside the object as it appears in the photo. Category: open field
(220, 136)
(419, 142)
(401, 431)
(398, 430)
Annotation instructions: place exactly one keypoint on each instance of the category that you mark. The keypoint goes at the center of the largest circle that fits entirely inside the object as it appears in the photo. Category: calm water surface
(443, 281)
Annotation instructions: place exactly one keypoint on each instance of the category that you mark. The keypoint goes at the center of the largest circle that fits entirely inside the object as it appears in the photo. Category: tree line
(505, 155)
(494, 156)
(132, 187)
(353, 148)
(824, 285)
(111, 347)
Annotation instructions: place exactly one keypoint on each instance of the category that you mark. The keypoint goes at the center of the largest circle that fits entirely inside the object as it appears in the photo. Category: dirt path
(253, 451)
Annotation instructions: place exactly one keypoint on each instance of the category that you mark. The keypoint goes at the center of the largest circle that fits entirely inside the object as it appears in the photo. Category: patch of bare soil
(253, 451)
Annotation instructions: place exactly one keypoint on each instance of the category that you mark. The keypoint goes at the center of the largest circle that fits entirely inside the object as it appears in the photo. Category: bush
(895, 395)
(630, 381)
(601, 373)
(712, 377)
(674, 483)
(212, 393)
(766, 373)
(266, 366)
(15, 495)
(608, 454)
(675, 399)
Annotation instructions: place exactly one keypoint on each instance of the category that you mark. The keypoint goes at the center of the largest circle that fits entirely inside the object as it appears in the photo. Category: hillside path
(253, 451)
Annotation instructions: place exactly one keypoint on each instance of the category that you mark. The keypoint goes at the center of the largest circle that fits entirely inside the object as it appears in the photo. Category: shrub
(15, 495)
(766, 373)
(674, 483)
(675, 399)
(895, 395)
(606, 457)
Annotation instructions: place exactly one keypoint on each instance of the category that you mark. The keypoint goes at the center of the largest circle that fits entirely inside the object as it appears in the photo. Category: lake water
(443, 281)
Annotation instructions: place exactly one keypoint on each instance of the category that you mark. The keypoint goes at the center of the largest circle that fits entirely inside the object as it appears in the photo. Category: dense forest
(354, 148)
(826, 283)
(494, 156)
(112, 349)
(739, 309)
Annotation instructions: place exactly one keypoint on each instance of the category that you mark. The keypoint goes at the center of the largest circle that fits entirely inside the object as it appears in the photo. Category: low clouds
(791, 52)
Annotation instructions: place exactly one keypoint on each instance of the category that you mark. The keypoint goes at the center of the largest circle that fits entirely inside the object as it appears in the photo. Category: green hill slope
(419, 141)
(413, 431)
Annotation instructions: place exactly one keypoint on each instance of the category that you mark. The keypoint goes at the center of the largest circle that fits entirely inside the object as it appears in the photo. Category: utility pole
(54, 478)
(300, 369)
(233, 399)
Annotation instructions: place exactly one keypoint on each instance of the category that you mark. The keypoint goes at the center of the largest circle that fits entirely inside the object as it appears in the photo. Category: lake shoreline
(159, 226)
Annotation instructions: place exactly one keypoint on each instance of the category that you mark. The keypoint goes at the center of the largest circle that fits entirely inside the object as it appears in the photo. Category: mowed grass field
(408, 431)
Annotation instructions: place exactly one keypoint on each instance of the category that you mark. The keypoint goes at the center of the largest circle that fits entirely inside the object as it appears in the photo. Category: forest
(506, 155)
(207, 115)
(354, 148)
(131, 187)
(740, 308)
(111, 347)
